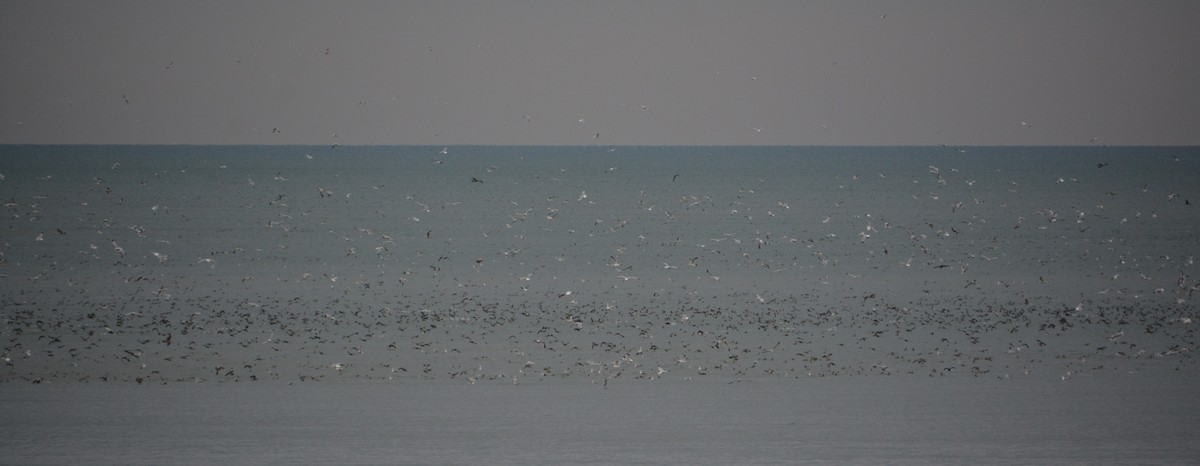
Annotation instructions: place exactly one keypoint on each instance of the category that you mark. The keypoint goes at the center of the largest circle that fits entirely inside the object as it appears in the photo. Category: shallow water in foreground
(844, 420)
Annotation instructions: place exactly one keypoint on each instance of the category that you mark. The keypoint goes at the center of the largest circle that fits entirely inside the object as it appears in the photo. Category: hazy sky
(558, 72)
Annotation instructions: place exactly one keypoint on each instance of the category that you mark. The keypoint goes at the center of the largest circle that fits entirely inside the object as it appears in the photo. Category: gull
(623, 277)
(667, 266)
(582, 196)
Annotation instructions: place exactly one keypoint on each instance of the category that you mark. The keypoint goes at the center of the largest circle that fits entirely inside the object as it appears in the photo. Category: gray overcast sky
(558, 72)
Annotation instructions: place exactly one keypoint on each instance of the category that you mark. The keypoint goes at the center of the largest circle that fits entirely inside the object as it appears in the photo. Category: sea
(599, 304)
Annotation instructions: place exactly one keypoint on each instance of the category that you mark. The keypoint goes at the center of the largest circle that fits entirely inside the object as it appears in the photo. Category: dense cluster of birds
(516, 268)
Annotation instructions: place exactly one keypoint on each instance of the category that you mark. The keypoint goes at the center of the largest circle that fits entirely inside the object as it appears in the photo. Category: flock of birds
(518, 268)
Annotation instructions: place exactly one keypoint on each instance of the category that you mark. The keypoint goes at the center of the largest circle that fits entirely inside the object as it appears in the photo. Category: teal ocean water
(344, 275)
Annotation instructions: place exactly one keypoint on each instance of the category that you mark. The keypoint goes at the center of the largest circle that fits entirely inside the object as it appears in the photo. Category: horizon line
(334, 146)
